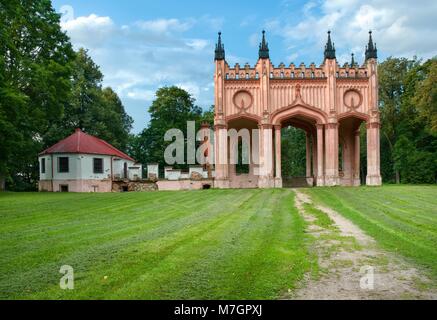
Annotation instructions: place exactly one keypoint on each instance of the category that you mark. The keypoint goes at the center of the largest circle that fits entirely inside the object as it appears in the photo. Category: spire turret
(329, 48)
(371, 51)
(353, 63)
(264, 48)
(219, 49)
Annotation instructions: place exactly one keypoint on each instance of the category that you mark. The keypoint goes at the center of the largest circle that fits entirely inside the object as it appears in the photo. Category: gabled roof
(80, 142)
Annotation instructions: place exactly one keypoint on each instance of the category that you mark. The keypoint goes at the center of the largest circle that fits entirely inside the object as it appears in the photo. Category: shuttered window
(98, 165)
(63, 164)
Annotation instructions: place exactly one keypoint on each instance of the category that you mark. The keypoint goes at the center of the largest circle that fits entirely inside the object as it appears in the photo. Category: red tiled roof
(80, 142)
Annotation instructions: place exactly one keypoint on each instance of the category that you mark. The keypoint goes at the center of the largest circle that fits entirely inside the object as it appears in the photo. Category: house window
(257, 75)
(63, 187)
(247, 76)
(292, 74)
(63, 165)
(98, 165)
(43, 165)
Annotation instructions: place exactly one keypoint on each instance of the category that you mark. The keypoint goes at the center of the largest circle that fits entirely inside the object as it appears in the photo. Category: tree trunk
(398, 178)
(2, 183)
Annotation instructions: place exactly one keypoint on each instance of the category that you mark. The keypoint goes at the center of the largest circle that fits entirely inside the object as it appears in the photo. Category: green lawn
(403, 219)
(215, 244)
(211, 244)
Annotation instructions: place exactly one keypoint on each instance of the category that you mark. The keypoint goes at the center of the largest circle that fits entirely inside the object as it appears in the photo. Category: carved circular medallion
(243, 100)
(352, 99)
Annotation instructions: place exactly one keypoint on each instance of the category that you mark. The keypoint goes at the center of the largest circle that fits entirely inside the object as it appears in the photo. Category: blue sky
(143, 45)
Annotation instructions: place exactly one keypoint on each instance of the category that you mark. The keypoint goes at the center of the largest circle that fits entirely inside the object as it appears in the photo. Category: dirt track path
(346, 255)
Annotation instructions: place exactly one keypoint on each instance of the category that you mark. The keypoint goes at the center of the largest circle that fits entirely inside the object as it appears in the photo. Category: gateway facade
(328, 102)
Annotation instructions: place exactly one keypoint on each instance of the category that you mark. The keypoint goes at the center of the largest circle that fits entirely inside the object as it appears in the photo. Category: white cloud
(190, 87)
(165, 25)
(144, 95)
(198, 44)
(254, 39)
(140, 57)
(400, 27)
(82, 28)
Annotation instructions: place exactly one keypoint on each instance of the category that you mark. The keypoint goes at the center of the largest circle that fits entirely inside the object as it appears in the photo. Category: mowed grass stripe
(152, 246)
(393, 215)
(59, 245)
(110, 242)
(396, 215)
(217, 268)
(188, 269)
(407, 210)
(168, 241)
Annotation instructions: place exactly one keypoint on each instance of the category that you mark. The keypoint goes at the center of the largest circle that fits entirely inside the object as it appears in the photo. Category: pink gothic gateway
(328, 102)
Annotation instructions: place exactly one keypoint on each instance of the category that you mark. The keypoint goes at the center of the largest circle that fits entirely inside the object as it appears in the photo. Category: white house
(84, 163)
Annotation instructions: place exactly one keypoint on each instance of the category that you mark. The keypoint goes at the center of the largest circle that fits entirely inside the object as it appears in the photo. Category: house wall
(48, 173)
(80, 167)
(81, 176)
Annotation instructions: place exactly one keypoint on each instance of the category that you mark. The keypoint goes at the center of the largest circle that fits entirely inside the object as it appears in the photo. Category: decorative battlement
(301, 71)
(293, 72)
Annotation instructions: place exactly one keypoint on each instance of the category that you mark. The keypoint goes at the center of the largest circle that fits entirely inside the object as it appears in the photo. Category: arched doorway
(242, 165)
(350, 129)
(310, 122)
(298, 152)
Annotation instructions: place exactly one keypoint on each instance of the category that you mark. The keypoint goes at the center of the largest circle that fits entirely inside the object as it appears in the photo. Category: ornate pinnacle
(264, 48)
(329, 48)
(219, 48)
(353, 63)
(371, 51)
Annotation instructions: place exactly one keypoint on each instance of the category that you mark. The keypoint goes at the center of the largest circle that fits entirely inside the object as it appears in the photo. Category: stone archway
(241, 174)
(308, 119)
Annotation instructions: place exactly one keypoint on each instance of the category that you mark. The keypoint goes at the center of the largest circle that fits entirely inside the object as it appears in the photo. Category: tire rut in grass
(346, 255)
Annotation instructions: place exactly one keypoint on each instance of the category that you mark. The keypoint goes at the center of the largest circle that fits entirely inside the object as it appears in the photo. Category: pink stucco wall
(76, 185)
(183, 184)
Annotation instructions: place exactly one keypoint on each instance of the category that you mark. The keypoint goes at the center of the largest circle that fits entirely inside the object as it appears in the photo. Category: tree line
(47, 90)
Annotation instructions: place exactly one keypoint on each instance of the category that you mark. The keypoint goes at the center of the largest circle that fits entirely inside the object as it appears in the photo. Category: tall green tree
(172, 109)
(293, 152)
(392, 77)
(96, 110)
(35, 62)
(425, 96)
(407, 109)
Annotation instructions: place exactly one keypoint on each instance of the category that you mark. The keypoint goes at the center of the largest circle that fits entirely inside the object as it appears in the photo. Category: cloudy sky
(142, 45)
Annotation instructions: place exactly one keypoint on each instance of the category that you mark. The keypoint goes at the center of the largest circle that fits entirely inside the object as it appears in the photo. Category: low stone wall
(184, 184)
(75, 185)
(45, 186)
(133, 186)
(243, 181)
